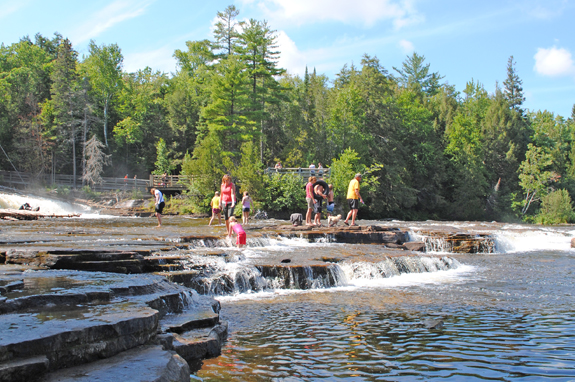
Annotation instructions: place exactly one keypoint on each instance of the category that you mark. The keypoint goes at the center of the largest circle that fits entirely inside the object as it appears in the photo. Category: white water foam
(533, 240)
(450, 276)
(47, 206)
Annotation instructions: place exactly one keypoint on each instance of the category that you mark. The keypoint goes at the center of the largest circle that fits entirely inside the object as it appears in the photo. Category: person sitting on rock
(26, 207)
(239, 230)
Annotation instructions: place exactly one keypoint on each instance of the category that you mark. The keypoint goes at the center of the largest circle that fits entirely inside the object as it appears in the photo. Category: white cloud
(114, 13)
(8, 9)
(554, 62)
(406, 46)
(158, 59)
(543, 9)
(291, 57)
(366, 12)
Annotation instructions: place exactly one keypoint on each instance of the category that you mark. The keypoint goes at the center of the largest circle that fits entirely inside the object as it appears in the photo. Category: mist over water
(47, 205)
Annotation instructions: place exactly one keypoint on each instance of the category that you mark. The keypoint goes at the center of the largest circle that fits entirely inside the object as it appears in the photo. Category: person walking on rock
(159, 204)
(353, 199)
(227, 199)
(216, 211)
(246, 205)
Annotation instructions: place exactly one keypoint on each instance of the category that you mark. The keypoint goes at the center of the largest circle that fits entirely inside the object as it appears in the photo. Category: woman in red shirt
(227, 199)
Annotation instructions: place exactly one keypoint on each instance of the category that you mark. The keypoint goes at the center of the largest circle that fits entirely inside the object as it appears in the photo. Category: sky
(463, 40)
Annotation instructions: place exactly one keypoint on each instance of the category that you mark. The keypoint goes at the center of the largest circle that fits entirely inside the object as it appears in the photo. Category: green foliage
(250, 171)
(427, 151)
(163, 163)
(343, 170)
(284, 193)
(556, 208)
(535, 176)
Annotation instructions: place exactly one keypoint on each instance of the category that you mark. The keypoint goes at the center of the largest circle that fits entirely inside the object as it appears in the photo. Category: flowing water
(503, 315)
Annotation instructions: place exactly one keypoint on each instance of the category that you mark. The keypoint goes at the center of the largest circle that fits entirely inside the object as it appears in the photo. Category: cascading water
(47, 206)
(225, 276)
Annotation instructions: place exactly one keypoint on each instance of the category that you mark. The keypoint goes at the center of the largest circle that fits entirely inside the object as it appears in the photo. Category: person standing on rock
(216, 211)
(227, 199)
(330, 203)
(353, 199)
(318, 190)
(309, 199)
(246, 205)
(159, 204)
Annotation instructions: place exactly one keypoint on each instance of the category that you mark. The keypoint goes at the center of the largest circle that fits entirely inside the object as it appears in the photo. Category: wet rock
(201, 343)
(572, 243)
(146, 363)
(11, 286)
(194, 319)
(433, 323)
(395, 246)
(415, 246)
(23, 369)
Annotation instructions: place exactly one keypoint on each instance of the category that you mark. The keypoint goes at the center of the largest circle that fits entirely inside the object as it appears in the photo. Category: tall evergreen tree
(225, 31)
(513, 90)
(64, 91)
(416, 76)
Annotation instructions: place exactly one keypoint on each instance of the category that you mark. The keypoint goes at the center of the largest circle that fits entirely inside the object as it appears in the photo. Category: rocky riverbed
(76, 302)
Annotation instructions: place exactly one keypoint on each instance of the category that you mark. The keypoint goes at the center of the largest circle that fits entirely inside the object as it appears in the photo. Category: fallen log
(10, 214)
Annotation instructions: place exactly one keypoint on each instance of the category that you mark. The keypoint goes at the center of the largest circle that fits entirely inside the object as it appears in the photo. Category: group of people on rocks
(225, 200)
(316, 192)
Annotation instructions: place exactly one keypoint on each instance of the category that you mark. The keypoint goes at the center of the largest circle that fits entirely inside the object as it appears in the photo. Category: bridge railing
(176, 182)
(22, 179)
(301, 171)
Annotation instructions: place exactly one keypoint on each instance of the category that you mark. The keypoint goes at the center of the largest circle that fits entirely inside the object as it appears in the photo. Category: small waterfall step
(145, 363)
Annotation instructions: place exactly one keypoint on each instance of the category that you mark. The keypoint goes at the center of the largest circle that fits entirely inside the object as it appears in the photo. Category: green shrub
(284, 193)
(556, 208)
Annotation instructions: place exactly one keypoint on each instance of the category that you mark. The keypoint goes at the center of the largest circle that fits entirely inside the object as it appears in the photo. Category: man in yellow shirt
(353, 199)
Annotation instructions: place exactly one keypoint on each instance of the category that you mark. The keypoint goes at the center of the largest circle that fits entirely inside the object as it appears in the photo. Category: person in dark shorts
(353, 199)
(227, 199)
(318, 200)
(159, 204)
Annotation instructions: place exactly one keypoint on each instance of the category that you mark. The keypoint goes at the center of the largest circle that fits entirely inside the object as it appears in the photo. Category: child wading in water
(246, 204)
(216, 209)
(239, 230)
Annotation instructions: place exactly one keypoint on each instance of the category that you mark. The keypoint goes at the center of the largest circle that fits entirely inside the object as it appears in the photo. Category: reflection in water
(510, 319)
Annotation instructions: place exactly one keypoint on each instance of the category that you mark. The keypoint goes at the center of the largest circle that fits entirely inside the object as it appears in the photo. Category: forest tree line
(427, 150)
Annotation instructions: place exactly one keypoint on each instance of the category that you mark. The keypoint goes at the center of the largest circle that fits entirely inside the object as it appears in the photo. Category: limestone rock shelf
(55, 320)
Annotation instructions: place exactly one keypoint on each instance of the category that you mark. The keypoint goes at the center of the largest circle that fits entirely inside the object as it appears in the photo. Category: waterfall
(47, 206)
(216, 276)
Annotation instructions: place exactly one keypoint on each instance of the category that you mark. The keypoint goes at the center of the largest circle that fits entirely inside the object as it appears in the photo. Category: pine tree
(64, 99)
(225, 32)
(513, 92)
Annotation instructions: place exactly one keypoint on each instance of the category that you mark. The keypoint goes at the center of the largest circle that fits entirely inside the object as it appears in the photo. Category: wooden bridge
(170, 185)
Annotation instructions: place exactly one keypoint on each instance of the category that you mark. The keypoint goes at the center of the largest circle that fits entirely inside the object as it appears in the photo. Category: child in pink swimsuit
(239, 230)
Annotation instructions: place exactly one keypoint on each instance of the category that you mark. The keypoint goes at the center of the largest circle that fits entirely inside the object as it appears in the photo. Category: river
(505, 315)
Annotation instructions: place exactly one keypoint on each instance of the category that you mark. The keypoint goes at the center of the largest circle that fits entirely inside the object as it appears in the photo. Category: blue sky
(462, 40)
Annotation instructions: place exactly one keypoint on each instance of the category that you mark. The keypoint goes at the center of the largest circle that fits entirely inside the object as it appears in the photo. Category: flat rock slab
(194, 319)
(146, 363)
(69, 336)
(24, 369)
